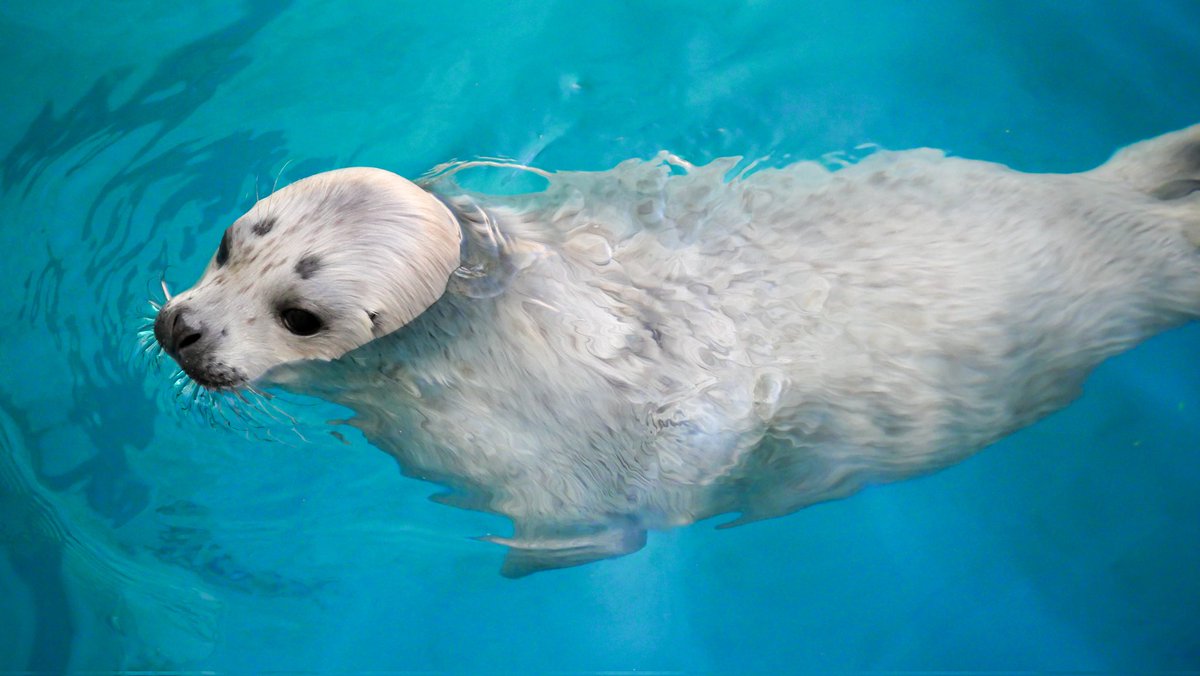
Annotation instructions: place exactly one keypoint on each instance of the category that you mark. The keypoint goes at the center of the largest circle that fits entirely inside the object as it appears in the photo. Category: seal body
(646, 347)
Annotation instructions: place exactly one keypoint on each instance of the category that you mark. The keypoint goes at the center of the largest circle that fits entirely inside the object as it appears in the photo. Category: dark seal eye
(300, 322)
(223, 250)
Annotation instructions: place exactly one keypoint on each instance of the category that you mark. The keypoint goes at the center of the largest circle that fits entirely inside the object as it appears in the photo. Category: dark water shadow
(106, 397)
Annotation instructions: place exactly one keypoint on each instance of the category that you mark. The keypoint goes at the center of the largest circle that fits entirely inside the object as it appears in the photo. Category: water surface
(135, 536)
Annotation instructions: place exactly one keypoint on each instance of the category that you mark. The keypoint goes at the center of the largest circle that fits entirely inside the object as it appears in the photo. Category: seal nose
(176, 332)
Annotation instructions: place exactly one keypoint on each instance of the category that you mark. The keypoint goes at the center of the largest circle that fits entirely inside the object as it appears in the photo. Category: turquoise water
(137, 536)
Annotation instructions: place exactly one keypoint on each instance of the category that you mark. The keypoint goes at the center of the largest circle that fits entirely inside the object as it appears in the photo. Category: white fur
(385, 248)
(651, 348)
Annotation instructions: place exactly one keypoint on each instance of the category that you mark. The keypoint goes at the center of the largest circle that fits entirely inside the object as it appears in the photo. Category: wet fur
(637, 349)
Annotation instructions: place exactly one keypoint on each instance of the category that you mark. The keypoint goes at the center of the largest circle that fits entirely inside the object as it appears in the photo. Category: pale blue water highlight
(134, 537)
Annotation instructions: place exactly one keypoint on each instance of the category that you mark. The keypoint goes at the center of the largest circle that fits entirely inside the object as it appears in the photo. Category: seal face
(289, 282)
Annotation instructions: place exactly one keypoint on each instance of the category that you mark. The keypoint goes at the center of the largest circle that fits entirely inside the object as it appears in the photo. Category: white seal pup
(646, 347)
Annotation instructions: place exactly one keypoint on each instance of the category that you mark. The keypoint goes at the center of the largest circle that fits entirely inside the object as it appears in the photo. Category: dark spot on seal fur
(264, 226)
(352, 198)
(306, 267)
(217, 376)
(356, 202)
(1176, 189)
(223, 250)
(374, 318)
(655, 334)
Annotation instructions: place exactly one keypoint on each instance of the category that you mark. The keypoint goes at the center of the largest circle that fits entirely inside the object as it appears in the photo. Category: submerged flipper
(533, 550)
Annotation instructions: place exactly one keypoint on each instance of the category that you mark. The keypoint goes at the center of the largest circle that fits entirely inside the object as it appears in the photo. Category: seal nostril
(188, 340)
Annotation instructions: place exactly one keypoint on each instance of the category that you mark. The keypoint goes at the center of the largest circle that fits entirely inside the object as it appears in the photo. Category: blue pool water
(137, 536)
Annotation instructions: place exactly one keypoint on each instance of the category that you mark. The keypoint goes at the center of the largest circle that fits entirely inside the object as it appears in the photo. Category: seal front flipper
(536, 548)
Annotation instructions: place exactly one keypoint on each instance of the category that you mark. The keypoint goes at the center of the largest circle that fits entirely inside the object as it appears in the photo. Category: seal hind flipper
(1166, 167)
(529, 553)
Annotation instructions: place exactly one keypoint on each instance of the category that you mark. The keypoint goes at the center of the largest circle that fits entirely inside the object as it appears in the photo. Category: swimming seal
(646, 347)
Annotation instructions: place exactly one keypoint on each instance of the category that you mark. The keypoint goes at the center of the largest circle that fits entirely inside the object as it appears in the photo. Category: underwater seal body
(647, 347)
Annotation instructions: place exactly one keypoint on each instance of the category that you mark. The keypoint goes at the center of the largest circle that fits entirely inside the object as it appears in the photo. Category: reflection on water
(104, 170)
(152, 616)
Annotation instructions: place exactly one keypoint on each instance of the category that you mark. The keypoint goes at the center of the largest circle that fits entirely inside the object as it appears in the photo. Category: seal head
(318, 268)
